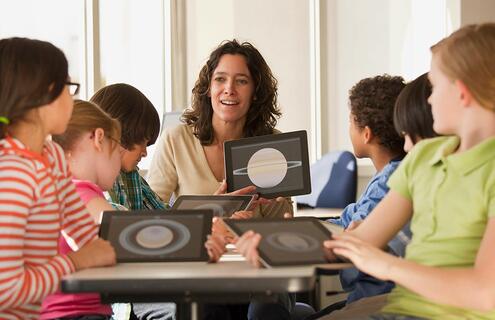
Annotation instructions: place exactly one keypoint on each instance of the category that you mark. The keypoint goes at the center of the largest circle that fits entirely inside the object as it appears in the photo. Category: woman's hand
(247, 245)
(223, 189)
(364, 256)
(215, 245)
(97, 253)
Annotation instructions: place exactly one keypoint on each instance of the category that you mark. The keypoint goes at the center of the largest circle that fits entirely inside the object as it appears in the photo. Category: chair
(333, 181)
(301, 311)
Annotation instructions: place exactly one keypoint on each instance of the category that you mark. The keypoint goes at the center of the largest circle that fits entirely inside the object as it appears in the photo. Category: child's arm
(96, 206)
(472, 288)
(383, 223)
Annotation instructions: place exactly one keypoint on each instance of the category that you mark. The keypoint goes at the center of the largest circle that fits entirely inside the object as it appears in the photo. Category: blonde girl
(91, 145)
(447, 186)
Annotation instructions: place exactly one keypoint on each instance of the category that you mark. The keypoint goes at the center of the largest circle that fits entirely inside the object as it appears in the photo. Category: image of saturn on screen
(276, 164)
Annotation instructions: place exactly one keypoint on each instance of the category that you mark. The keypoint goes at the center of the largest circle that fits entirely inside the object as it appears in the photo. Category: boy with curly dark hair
(373, 135)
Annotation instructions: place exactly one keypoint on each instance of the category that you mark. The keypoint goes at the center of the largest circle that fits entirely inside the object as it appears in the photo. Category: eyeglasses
(73, 87)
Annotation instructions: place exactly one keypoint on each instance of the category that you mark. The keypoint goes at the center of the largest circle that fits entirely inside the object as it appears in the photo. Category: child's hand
(97, 253)
(247, 245)
(242, 215)
(215, 245)
(219, 229)
(257, 201)
(364, 256)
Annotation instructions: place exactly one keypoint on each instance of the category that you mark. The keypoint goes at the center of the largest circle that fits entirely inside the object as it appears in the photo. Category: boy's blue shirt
(375, 191)
(358, 284)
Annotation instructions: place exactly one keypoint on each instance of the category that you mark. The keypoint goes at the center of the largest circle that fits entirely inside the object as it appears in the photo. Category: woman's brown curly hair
(263, 113)
(372, 103)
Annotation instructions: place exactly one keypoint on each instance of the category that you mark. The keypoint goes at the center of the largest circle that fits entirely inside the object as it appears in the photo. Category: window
(60, 22)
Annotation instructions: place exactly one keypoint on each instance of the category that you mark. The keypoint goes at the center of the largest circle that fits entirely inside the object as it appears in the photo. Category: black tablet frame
(206, 215)
(234, 226)
(246, 201)
(303, 138)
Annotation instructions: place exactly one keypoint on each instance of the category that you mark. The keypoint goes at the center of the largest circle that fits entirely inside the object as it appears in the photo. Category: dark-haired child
(373, 135)
(140, 128)
(38, 199)
(412, 115)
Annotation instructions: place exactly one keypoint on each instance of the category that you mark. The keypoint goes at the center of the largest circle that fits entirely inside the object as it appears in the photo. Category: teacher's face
(231, 88)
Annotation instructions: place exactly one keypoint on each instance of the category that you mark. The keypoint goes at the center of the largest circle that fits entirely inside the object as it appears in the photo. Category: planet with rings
(267, 167)
(153, 237)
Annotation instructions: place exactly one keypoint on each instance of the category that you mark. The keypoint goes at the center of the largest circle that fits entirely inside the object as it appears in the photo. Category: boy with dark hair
(373, 136)
(372, 133)
(140, 128)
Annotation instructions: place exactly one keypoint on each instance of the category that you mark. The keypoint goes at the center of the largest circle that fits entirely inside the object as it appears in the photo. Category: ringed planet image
(292, 241)
(267, 167)
(154, 237)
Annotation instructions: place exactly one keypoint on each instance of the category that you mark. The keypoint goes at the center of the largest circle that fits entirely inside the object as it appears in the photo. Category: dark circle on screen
(181, 237)
(293, 242)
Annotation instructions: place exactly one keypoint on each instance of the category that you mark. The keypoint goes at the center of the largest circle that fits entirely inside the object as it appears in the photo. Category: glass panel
(60, 22)
(131, 49)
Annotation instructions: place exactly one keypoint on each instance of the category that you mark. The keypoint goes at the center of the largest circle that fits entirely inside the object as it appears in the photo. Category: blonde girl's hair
(87, 117)
(467, 55)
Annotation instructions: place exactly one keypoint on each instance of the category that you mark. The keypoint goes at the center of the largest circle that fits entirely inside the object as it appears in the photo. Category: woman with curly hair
(234, 97)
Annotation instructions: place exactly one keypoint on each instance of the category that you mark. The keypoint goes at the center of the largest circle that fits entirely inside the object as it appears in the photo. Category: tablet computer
(157, 235)
(286, 242)
(222, 206)
(277, 164)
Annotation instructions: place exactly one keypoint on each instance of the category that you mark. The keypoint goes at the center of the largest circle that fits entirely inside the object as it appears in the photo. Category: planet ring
(244, 171)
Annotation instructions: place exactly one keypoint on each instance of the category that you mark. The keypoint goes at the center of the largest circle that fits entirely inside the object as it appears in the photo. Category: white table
(189, 282)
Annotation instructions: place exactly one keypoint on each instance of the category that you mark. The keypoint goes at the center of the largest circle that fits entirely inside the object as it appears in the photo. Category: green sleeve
(399, 181)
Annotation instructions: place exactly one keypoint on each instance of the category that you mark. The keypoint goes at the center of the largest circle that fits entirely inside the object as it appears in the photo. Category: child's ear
(367, 135)
(98, 137)
(465, 95)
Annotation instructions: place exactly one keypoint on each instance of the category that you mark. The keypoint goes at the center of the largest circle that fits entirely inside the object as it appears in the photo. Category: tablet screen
(286, 242)
(276, 164)
(141, 236)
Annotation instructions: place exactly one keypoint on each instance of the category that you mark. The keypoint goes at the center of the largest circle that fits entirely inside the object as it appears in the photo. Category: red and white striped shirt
(37, 201)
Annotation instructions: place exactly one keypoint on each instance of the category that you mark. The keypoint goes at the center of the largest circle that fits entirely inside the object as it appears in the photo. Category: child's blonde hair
(87, 117)
(468, 55)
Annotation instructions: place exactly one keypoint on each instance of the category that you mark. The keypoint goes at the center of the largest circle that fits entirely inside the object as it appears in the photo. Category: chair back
(333, 181)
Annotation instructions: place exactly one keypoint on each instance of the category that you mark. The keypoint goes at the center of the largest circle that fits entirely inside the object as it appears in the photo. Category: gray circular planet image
(267, 167)
(154, 237)
(293, 241)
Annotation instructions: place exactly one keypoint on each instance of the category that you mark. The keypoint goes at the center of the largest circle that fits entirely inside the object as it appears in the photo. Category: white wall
(279, 29)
